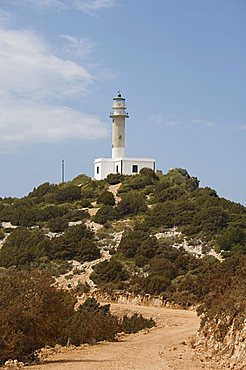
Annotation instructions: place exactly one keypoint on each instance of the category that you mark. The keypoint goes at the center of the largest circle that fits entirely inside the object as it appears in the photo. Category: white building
(119, 163)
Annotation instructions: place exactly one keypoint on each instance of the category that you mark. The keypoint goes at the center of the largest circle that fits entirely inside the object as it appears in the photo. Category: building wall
(105, 166)
(102, 167)
(140, 163)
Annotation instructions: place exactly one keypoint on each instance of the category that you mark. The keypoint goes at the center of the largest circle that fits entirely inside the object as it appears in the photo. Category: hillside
(144, 234)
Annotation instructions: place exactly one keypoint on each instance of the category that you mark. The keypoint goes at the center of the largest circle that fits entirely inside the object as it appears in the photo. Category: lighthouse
(118, 115)
(118, 163)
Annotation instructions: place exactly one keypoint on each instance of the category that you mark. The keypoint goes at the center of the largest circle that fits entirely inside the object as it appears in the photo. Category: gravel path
(162, 348)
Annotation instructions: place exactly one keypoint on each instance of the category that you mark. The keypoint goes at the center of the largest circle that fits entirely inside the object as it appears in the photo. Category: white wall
(140, 162)
(109, 165)
(105, 165)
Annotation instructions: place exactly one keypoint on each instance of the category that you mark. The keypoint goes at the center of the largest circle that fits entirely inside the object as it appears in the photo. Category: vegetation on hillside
(163, 213)
(33, 314)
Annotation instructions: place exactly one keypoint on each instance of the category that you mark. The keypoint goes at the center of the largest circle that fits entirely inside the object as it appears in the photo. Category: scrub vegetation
(34, 314)
(158, 215)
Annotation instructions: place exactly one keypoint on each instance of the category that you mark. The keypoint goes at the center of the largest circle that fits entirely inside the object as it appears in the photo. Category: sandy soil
(162, 348)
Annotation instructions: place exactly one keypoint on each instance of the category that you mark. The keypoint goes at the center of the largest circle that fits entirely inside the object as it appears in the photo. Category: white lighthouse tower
(119, 163)
(118, 116)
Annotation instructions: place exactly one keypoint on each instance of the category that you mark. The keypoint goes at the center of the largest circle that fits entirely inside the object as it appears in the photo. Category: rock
(13, 364)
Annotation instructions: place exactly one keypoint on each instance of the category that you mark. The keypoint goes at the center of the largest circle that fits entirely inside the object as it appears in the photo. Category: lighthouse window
(120, 137)
(117, 169)
(134, 168)
(97, 170)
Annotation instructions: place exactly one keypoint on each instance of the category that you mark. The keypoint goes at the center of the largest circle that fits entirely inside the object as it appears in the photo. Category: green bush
(109, 272)
(42, 190)
(87, 250)
(106, 198)
(57, 224)
(2, 234)
(85, 203)
(74, 215)
(91, 323)
(32, 314)
(155, 284)
(115, 178)
(137, 242)
(23, 216)
(135, 323)
(82, 250)
(76, 233)
(52, 211)
(63, 194)
(131, 204)
(23, 247)
(225, 298)
(106, 213)
(149, 173)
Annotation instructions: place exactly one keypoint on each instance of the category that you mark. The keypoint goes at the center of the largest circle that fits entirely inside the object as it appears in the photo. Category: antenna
(63, 171)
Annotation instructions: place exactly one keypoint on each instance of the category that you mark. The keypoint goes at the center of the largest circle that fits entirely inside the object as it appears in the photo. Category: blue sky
(179, 63)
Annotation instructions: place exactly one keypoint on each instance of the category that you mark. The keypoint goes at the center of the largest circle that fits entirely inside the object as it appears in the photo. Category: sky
(180, 64)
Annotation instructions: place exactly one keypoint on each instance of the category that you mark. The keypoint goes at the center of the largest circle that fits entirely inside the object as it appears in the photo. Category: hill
(159, 235)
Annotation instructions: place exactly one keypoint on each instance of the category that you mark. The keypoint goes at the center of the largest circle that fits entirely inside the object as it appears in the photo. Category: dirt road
(162, 348)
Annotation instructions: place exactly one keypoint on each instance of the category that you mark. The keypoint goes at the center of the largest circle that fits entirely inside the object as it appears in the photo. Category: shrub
(109, 271)
(149, 173)
(23, 216)
(85, 203)
(106, 198)
(57, 224)
(106, 213)
(81, 288)
(131, 204)
(155, 284)
(135, 323)
(115, 178)
(76, 233)
(23, 247)
(52, 211)
(91, 323)
(32, 314)
(67, 249)
(137, 242)
(42, 190)
(64, 193)
(230, 237)
(2, 234)
(76, 215)
(87, 250)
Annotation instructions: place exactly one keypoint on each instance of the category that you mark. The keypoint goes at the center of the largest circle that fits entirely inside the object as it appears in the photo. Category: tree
(32, 314)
